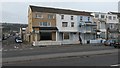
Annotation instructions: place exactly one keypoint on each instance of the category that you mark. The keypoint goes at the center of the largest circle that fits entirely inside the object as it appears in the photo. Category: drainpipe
(107, 34)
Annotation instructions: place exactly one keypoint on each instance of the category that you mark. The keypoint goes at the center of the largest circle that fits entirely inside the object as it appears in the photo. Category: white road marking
(10, 49)
(5, 50)
(115, 65)
(15, 49)
(20, 49)
(31, 48)
(0, 49)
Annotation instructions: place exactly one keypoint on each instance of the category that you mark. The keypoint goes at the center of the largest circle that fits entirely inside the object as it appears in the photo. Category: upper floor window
(39, 15)
(110, 18)
(71, 17)
(88, 18)
(50, 16)
(72, 24)
(44, 23)
(62, 16)
(96, 15)
(64, 24)
(114, 18)
(102, 16)
(81, 18)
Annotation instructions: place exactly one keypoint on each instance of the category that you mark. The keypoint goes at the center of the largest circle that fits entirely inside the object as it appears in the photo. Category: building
(67, 28)
(87, 28)
(41, 24)
(117, 26)
(53, 26)
(0, 31)
(100, 19)
(111, 25)
(119, 6)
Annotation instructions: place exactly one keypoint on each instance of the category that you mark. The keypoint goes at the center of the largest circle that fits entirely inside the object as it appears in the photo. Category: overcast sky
(16, 12)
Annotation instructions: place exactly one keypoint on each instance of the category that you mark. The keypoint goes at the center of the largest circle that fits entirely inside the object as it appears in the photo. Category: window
(81, 18)
(109, 17)
(64, 24)
(88, 18)
(96, 16)
(72, 24)
(111, 26)
(62, 16)
(44, 23)
(88, 28)
(114, 18)
(71, 17)
(66, 35)
(39, 15)
(102, 16)
(50, 16)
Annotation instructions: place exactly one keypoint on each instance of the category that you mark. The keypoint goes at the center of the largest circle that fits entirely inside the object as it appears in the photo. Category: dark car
(109, 43)
(117, 44)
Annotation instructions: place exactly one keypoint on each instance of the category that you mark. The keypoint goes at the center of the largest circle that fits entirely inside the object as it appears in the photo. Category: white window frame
(38, 15)
(62, 17)
(109, 17)
(68, 35)
(81, 18)
(103, 16)
(72, 24)
(72, 17)
(66, 24)
(48, 24)
(114, 17)
(50, 16)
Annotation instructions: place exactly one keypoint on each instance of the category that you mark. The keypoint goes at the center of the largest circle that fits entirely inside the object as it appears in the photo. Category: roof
(58, 11)
(46, 28)
(117, 13)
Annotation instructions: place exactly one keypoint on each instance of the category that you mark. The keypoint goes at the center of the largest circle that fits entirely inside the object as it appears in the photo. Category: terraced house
(53, 26)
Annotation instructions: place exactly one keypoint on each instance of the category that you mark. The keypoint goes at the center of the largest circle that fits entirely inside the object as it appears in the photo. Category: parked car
(109, 43)
(18, 40)
(117, 44)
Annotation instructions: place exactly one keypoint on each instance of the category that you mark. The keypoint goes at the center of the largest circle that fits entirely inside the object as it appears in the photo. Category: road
(52, 50)
(107, 59)
(93, 60)
(10, 51)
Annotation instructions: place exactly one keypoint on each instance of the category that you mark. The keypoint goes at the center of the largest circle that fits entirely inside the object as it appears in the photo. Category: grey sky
(16, 12)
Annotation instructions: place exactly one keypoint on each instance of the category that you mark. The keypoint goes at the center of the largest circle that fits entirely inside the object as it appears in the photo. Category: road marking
(10, 49)
(5, 50)
(15, 49)
(0, 49)
(115, 65)
(31, 48)
(20, 49)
